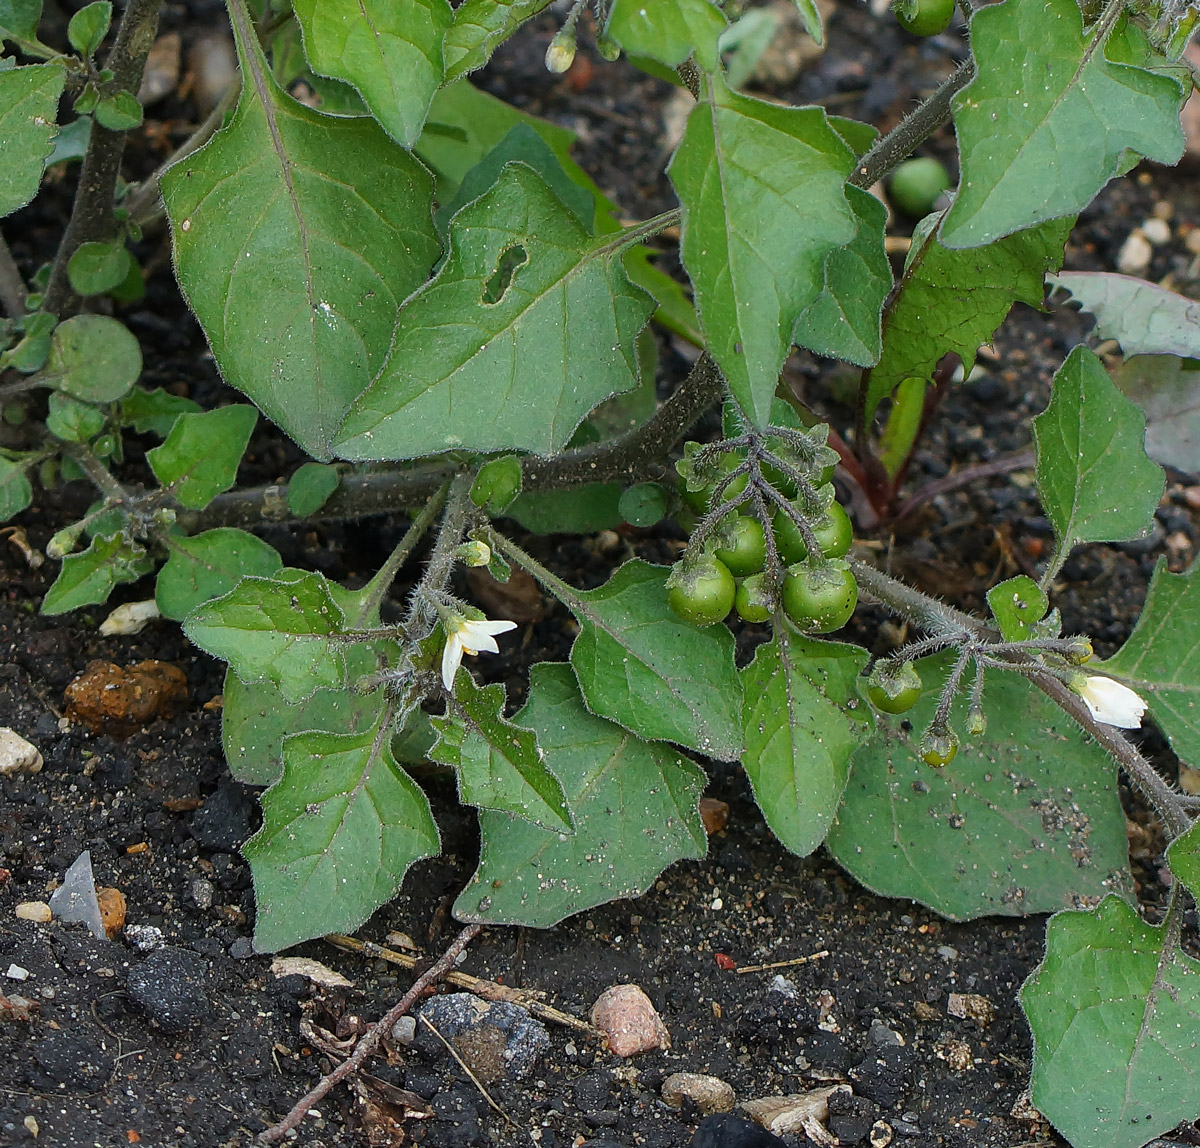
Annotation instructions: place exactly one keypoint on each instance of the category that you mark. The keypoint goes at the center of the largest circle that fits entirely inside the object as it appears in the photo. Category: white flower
(1111, 702)
(468, 636)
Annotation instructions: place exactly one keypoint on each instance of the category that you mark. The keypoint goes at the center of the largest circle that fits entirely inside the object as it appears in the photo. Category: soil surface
(198, 1043)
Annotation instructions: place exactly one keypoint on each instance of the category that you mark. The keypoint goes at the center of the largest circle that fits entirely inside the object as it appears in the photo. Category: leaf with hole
(200, 456)
(635, 809)
(763, 207)
(390, 50)
(340, 829)
(498, 763)
(1016, 604)
(800, 733)
(527, 313)
(204, 566)
(642, 667)
(1024, 819)
(28, 111)
(1161, 659)
(1050, 118)
(297, 236)
(1093, 477)
(1114, 1008)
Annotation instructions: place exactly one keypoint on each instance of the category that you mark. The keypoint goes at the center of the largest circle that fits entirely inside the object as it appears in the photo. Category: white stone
(17, 755)
(1134, 256)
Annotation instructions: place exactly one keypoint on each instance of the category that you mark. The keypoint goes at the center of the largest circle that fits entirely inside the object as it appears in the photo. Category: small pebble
(880, 1134)
(629, 1021)
(1157, 231)
(16, 973)
(112, 910)
(1134, 256)
(404, 1031)
(202, 893)
(33, 911)
(144, 938)
(171, 987)
(947, 953)
(971, 1006)
(709, 1093)
(17, 755)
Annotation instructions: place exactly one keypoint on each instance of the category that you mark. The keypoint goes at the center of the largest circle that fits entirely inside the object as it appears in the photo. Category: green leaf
(635, 813)
(88, 578)
(93, 358)
(89, 26)
(810, 17)
(527, 314)
(642, 667)
(340, 829)
(256, 719)
(28, 111)
(19, 19)
(200, 456)
(843, 322)
(583, 509)
(498, 763)
(71, 420)
(1161, 659)
(297, 236)
(1016, 605)
(1025, 819)
(668, 31)
(1115, 1013)
(1167, 389)
(205, 566)
(16, 493)
(1183, 856)
(497, 484)
(390, 50)
(99, 267)
(1093, 477)
(481, 26)
(279, 630)
(155, 411)
(1049, 119)
(763, 206)
(310, 487)
(1144, 318)
(949, 300)
(799, 737)
(119, 112)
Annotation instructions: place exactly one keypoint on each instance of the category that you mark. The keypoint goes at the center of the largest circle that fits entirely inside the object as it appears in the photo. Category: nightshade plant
(433, 301)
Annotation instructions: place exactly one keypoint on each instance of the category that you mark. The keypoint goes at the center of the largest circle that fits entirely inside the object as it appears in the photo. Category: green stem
(903, 424)
(565, 593)
(457, 517)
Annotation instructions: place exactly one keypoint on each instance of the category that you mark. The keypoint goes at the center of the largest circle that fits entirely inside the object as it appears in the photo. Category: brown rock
(33, 911)
(710, 1093)
(971, 1006)
(629, 1021)
(112, 909)
(714, 814)
(116, 702)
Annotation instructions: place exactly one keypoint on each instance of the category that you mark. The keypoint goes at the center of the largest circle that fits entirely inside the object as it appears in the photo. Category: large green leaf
(205, 566)
(276, 629)
(499, 764)
(1143, 317)
(390, 50)
(763, 206)
(1025, 819)
(799, 737)
(528, 314)
(642, 667)
(340, 829)
(950, 300)
(1161, 659)
(668, 31)
(1115, 1013)
(28, 113)
(200, 456)
(1049, 119)
(843, 322)
(1093, 477)
(635, 813)
(297, 236)
(93, 358)
(19, 19)
(479, 27)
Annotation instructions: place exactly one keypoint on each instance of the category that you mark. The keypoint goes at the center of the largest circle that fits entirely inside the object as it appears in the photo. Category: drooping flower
(468, 636)
(1111, 702)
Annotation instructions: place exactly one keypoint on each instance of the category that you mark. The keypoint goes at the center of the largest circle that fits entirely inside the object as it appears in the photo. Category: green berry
(702, 593)
(917, 184)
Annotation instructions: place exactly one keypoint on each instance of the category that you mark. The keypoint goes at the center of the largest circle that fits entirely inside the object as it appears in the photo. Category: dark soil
(199, 1044)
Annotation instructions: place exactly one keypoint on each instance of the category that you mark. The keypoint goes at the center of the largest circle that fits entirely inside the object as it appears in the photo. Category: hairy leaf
(635, 809)
(763, 206)
(1049, 119)
(1093, 477)
(205, 566)
(28, 111)
(1161, 659)
(16, 493)
(1167, 389)
(527, 314)
(310, 487)
(155, 411)
(799, 737)
(19, 19)
(340, 829)
(668, 31)
(200, 456)
(949, 300)
(481, 26)
(1115, 1012)
(297, 236)
(390, 50)
(642, 667)
(499, 764)
(93, 358)
(1025, 819)
(1144, 318)
(88, 578)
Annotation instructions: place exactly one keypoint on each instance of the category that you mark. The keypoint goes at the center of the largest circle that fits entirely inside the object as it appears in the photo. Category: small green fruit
(820, 599)
(917, 184)
(938, 748)
(894, 689)
(753, 600)
(924, 17)
(744, 550)
(703, 593)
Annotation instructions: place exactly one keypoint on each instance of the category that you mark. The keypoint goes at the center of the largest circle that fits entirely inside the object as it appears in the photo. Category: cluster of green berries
(817, 595)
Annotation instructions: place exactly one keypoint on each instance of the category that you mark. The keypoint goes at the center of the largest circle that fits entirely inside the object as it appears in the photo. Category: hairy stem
(92, 217)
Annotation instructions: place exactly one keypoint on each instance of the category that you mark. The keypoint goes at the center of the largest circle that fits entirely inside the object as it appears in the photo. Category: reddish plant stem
(371, 1038)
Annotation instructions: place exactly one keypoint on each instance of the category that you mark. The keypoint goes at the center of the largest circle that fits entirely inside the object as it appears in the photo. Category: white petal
(451, 659)
(1112, 703)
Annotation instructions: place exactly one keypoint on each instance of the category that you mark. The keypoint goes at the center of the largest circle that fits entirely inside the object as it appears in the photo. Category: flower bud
(1079, 651)
(608, 48)
(64, 542)
(938, 747)
(976, 722)
(474, 553)
(561, 53)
